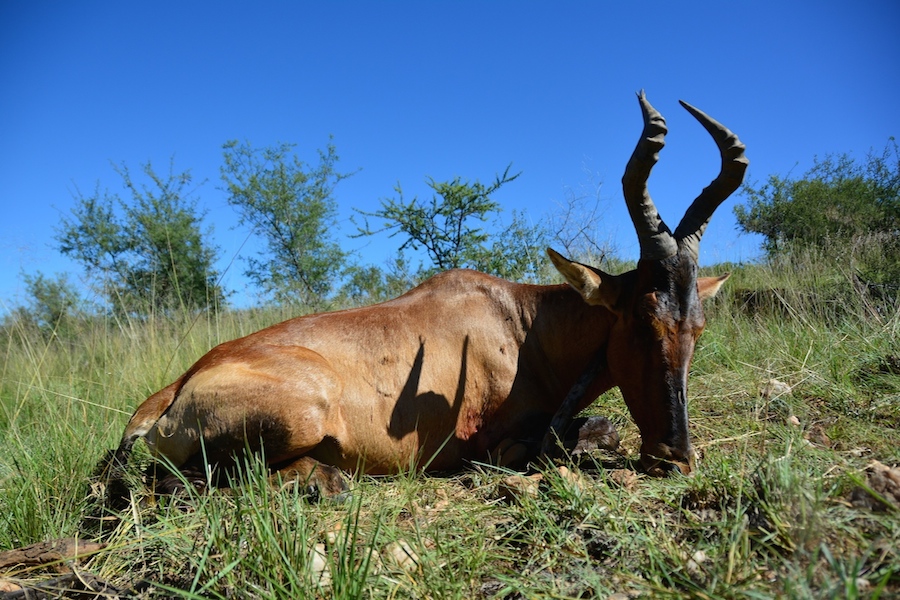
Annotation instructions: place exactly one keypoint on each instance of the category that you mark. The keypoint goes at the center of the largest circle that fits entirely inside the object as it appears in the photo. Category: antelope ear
(595, 286)
(707, 287)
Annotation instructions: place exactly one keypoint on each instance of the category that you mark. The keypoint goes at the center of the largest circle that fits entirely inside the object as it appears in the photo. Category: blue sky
(439, 89)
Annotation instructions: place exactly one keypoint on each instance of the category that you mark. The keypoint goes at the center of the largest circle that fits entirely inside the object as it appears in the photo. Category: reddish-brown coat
(445, 373)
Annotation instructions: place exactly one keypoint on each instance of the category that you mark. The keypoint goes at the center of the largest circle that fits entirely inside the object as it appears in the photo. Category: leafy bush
(841, 218)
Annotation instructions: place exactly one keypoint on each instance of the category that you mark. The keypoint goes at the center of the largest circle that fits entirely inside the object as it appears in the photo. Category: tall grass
(767, 514)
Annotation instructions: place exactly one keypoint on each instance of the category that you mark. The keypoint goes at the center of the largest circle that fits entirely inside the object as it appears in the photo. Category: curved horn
(654, 236)
(734, 164)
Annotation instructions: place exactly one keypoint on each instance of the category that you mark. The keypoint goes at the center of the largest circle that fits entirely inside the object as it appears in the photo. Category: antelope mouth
(664, 460)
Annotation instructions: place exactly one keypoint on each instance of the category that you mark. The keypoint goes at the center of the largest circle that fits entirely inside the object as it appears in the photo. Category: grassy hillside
(795, 391)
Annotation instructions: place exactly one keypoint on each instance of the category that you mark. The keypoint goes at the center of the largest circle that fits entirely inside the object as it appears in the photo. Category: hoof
(316, 479)
(591, 433)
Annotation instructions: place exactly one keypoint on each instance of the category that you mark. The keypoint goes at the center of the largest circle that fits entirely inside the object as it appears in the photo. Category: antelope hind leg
(317, 479)
(511, 454)
(166, 481)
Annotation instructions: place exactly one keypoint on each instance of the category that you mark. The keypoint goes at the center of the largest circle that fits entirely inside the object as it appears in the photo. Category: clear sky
(417, 89)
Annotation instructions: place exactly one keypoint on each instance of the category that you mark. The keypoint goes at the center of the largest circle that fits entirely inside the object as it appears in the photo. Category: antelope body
(446, 372)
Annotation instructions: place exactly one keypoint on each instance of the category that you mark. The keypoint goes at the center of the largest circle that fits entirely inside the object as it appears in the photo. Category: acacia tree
(290, 205)
(146, 253)
(366, 284)
(449, 228)
(515, 251)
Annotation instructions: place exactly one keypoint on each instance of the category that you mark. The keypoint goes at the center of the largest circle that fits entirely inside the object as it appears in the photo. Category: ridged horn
(655, 238)
(731, 175)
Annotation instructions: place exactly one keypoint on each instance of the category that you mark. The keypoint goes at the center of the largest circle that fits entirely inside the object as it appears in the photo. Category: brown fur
(463, 363)
(435, 378)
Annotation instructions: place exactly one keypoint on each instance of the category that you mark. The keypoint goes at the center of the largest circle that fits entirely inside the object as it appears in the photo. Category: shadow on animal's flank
(415, 410)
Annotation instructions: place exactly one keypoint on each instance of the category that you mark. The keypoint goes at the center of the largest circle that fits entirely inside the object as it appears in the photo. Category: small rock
(318, 565)
(774, 389)
(516, 487)
(574, 480)
(625, 478)
(440, 506)
(334, 534)
(793, 420)
(694, 562)
(442, 501)
(371, 558)
(402, 555)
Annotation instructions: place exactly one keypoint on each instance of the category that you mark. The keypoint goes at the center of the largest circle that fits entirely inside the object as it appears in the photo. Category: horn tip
(690, 107)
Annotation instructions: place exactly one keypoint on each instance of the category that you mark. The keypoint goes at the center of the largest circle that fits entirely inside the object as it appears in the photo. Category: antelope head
(657, 308)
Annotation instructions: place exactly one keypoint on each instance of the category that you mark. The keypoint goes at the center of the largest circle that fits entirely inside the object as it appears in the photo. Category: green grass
(767, 514)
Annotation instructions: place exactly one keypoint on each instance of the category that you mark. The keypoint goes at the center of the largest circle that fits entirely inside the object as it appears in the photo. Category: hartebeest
(444, 373)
